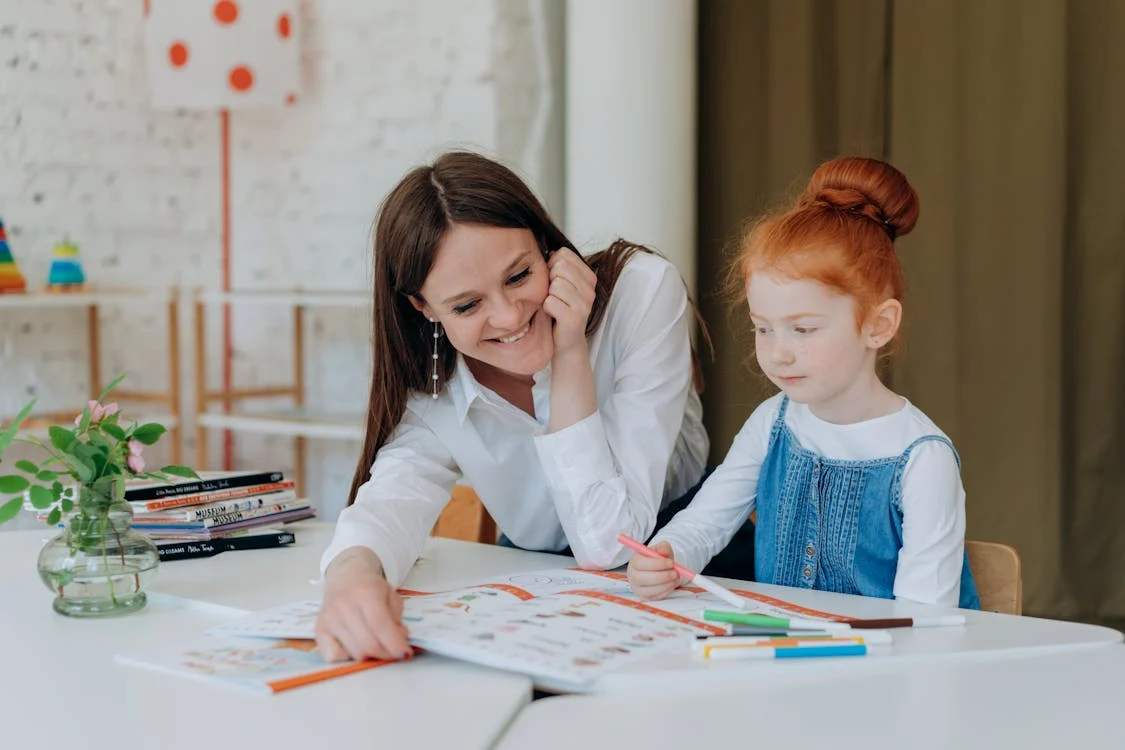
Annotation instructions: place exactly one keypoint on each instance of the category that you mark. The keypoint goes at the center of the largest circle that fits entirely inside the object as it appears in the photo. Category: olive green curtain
(1007, 117)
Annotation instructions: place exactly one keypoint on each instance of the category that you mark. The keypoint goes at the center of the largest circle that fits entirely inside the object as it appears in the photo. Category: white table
(60, 686)
(1063, 700)
(986, 636)
(50, 661)
(265, 578)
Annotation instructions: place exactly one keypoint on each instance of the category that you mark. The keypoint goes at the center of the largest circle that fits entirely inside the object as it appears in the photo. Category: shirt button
(808, 572)
(810, 550)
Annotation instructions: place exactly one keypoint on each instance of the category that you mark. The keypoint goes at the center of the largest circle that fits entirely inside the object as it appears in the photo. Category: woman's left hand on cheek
(569, 297)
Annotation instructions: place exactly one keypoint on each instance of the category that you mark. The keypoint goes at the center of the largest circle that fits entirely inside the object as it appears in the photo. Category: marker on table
(796, 623)
(768, 621)
(786, 652)
(940, 621)
(704, 583)
(869, 637)
(702, 642)
(751, 630)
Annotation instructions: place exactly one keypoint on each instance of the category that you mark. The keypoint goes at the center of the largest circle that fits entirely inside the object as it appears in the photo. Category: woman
(559, 388)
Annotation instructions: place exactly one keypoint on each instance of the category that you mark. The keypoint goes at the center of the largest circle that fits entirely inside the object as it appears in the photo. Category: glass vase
(98, 566)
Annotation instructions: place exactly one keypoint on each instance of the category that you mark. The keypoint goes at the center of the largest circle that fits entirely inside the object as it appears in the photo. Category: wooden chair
(996, 570)
(465, 518)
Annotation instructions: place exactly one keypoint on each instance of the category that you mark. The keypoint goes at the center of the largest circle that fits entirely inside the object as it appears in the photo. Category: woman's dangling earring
(433, 369)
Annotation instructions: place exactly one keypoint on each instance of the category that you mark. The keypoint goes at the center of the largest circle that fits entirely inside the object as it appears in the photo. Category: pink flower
(135, 460)
(97, 412)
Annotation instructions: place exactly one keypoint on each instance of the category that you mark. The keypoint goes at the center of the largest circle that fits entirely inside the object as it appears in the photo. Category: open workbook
(565, 628)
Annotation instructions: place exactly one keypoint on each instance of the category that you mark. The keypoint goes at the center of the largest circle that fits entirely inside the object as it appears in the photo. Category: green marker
(768, 621)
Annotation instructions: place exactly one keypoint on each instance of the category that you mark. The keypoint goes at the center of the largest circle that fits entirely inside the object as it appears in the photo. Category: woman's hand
(651, 577)
(569, 298)
(361, 615)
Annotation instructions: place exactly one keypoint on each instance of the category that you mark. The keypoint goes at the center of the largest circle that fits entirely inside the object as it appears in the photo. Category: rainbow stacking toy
(66, 270)
(11, 280)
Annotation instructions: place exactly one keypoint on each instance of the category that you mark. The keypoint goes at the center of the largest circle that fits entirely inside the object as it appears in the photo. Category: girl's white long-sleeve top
(933, 498)
(580, 486)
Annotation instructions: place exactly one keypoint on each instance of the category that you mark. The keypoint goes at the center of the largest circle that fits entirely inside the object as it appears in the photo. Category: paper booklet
(263, 665)
(565, 628)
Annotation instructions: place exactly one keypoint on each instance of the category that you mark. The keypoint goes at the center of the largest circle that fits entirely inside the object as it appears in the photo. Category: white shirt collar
(464, 388)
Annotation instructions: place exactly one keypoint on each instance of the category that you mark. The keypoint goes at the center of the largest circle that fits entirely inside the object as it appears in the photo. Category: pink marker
(702, 582)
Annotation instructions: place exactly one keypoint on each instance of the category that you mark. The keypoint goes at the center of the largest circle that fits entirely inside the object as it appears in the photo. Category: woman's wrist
(354, 559)
(573, 393)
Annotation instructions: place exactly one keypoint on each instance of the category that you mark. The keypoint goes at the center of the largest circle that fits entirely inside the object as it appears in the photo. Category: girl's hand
(361, 615)
(569, 298)
(653, 578)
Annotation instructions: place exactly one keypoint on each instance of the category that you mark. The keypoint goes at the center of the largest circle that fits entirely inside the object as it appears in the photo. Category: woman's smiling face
(486, 288)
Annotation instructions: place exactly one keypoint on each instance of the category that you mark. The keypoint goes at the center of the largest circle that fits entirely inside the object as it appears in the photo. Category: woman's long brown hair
(458, 188)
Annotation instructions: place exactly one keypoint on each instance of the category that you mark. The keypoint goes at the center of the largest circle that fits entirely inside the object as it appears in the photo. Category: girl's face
(807, 342)
(486, 288)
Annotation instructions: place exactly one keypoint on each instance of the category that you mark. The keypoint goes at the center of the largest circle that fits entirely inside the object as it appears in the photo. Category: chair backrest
(465, 518)
(996, 570)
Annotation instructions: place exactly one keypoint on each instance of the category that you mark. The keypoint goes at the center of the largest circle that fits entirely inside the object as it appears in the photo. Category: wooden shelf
(464, 517)
(291, 298)
(293, 422)
(80, 299)
(38, 425)
(91, 300)
(238, 412)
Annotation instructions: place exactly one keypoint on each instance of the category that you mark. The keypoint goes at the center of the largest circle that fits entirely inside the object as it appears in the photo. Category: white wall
(389, 83)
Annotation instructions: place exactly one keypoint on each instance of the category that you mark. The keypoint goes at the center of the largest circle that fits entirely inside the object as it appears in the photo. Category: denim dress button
(808, 572)
(810, 550)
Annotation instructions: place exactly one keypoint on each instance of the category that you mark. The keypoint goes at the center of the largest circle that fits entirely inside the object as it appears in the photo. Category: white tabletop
(110, 705)
(1064, 700)
(60, 686)
(265, 578)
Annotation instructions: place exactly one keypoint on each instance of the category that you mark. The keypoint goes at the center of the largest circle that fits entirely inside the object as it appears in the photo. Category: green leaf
(149, 433)
(53, 517)
(12, 483)
(113, 430)
(61, 437)
(84, 453)
(179, 471)
(41, 497)
(8, 434)
(66, 504)
(84, 420)
(104, 485)
(113, 384)
(83, 470)
(10, 509)
(45, 476)
(27, 466)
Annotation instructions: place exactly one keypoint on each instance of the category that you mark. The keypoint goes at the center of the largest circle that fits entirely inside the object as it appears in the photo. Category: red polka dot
(178, 55)
(241, 78)
(291, 99)
(283, 27)
(226, 11)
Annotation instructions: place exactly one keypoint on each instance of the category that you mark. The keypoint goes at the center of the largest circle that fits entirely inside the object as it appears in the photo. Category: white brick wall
(388, 84)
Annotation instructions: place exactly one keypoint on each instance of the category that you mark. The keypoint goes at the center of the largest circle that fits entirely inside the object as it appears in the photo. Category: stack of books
(220, 510)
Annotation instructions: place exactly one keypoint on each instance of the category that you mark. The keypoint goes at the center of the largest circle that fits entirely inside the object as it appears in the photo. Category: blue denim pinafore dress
(833, 525)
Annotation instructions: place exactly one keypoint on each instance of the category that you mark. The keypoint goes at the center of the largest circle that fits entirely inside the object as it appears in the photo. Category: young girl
(559, 388)
(856, 490)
